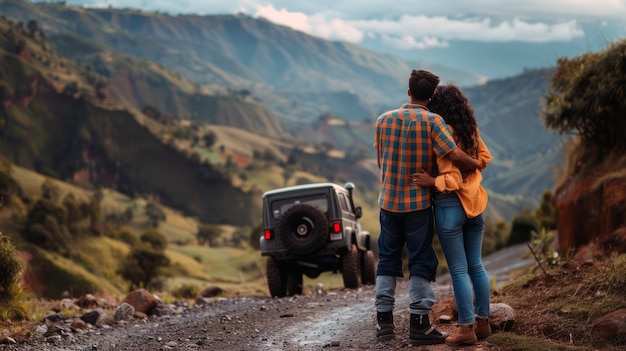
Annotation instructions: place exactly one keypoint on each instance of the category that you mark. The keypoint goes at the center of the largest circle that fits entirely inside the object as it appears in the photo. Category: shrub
(10, 266)
(522, 227)
(12, 302)
(186, 291)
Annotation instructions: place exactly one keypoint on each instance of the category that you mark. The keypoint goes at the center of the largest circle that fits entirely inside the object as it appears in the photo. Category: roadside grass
(514, 342)
(560, 307)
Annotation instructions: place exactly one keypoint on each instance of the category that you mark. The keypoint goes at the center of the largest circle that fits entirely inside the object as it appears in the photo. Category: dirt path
(336, 320)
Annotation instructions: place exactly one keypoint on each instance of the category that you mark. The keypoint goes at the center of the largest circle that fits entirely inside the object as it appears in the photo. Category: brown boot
(483, 329)
(464, 336)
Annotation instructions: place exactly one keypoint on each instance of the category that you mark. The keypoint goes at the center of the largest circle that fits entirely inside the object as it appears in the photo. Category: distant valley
(269, 80)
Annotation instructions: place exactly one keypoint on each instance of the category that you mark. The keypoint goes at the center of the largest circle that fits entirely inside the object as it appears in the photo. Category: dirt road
(335, 320)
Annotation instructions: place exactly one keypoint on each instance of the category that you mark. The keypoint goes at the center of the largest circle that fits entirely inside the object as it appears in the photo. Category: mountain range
(250, 74)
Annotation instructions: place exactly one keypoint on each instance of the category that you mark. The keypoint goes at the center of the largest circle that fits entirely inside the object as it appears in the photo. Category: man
(407, 140)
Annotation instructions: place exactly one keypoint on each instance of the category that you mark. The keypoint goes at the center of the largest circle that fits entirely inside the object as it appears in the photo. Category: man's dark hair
(422, 84)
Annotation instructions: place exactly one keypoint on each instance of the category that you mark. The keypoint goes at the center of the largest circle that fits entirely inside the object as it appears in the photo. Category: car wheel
(303, 229)
(350, 268)
(276, 278)
(294, 283)
(368, 271)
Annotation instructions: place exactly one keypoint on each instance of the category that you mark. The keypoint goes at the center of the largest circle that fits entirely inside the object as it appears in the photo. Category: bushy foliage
(521, 227)
(495, 236)
(546, 212)
(185, 291)
(207, 234)
(145, 261)
(46, 226)
(155, 213)
(12, 305)
(542, 249)
(255, 235)
(588, 94)
(154, 239)
(10, 265)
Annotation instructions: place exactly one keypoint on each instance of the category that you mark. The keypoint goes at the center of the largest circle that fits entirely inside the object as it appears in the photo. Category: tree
(288, 172)
(155, 214)
(209, 139)
(33, 27)
(154, 239)
(207, 234)
(95, 211)
(47, 227)
(522, 227)
(49, 190)
(146, 260)
(546, 212)
(588, 95)
(75, 212)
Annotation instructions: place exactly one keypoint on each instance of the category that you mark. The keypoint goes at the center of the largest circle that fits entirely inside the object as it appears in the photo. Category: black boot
(423, 333)
(384, 326)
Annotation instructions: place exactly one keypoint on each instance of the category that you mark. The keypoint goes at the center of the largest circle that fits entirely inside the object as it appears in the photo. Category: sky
(433, 30)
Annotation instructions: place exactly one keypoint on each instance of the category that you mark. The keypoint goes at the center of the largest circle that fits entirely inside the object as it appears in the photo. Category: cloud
(471, 29)
(408, 42)
(317, 24)
(421, 31)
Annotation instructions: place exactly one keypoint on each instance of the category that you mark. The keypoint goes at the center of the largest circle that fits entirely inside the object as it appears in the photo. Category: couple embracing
(430, 156)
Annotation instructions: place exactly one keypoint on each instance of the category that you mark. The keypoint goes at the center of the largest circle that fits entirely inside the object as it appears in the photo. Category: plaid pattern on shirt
(407, 140)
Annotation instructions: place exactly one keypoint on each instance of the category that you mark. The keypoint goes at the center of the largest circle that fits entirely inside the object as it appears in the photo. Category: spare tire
(303, 229)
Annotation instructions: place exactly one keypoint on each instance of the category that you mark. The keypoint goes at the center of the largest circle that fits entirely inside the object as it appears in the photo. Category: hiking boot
(483, 329)
(465, 336)
(423, 333)
(384, 326)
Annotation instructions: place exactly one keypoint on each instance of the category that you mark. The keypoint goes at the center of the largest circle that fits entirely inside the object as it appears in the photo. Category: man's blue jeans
(461, 241)
(415, 229)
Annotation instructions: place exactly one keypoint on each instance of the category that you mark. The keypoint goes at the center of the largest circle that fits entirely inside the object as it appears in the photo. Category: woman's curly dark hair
(450, 103)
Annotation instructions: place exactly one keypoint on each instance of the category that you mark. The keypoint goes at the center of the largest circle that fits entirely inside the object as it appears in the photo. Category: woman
(459, 201)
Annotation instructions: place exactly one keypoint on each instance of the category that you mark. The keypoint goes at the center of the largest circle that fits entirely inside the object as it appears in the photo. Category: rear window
(279, 207)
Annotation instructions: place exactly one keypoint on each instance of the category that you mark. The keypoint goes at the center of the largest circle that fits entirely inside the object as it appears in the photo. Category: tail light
(336, 232)
(267, 234)
(336, 227)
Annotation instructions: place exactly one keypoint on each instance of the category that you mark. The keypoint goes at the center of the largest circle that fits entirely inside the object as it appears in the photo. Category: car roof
(304, 187)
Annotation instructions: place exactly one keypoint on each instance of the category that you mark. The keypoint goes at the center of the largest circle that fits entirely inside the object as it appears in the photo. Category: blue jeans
(415, 229)
(461, 241)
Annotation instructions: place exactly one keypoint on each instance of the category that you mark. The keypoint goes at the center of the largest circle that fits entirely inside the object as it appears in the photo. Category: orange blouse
(472, 195)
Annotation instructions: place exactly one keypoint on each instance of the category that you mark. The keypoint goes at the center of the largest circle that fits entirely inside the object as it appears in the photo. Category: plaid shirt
(407, 140)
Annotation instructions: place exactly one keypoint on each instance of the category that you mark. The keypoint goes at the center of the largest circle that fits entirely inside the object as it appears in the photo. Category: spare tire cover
(303, 229)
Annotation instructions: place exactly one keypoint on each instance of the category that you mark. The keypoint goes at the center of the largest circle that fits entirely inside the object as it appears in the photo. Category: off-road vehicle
(310, 229)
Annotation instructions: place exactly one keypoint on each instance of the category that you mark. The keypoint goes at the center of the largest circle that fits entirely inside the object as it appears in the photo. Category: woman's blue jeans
(461, 241)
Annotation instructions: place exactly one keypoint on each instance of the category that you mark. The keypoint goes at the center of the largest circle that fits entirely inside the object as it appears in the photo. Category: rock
(124, 312)
(590, 211)
(53, 318)
(67, 304)
(104, 320)
(91, 317)
(502, 317)
(78, 323)
(162, 310)
(611, 326)
(87, 301)
(141, 300)
(211, 291)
